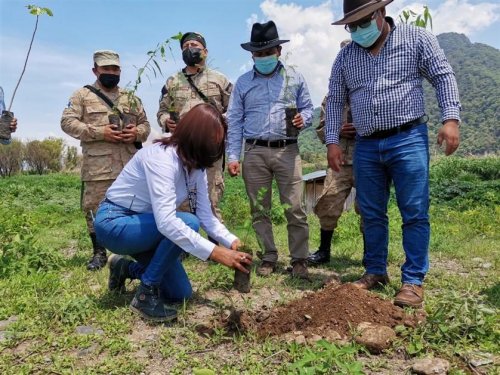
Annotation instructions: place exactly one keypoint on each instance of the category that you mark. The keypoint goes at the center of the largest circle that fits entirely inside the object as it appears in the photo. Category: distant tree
(44, 156)
(11, 158)
(71, 158)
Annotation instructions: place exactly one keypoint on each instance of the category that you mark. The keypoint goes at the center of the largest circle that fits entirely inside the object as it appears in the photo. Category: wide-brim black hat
(263, 36)
(355, 10)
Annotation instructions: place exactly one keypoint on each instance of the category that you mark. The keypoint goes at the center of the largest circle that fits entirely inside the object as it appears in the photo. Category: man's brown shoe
(369, 281)
(410, 295)
(266, 268)
(299, 269)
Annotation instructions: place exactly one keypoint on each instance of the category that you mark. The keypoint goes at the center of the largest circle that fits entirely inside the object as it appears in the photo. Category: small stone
(332, 335)
(141, 353)
(431, 366)
(300, 340)
(87, 351)
(486, 265)
(47, 359)
(314, 338)
(375, 337)
(88, 330)
(308, 317)
(297, 333)
(262, 315)
(478, 359)
(6, 323)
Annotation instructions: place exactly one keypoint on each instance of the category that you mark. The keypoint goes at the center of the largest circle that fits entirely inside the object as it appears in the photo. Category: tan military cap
(106, 57)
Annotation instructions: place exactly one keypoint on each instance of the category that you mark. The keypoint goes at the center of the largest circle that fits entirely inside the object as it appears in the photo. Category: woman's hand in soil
(231, 258)
(297, 121)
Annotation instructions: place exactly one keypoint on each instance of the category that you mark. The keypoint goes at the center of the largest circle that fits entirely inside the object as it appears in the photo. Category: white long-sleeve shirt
(156, 181)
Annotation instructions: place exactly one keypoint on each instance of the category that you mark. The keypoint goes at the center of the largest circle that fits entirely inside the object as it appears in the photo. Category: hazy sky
(61, 58)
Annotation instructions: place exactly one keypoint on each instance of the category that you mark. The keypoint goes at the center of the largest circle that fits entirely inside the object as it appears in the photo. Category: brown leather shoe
(299, 269)
(266, 268)
(410, 295)
(369, 281)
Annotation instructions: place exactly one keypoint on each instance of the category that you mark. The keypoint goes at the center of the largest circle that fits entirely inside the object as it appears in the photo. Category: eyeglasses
(364, 25)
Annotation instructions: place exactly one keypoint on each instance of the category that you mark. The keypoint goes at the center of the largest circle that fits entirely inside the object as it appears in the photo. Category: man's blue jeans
(403, 159)
(127, 232)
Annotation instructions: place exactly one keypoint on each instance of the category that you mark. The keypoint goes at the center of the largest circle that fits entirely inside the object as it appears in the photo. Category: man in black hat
(256, 113)
(381, 73)
(196, 84)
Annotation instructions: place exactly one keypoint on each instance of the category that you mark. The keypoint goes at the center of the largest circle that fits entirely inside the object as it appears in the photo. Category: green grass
(43, 282)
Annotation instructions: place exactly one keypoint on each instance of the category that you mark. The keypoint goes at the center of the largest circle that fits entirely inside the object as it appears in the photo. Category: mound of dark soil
(338, 308)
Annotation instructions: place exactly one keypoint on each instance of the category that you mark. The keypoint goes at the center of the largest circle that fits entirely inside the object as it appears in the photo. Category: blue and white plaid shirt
(385, 91)
(257, 107)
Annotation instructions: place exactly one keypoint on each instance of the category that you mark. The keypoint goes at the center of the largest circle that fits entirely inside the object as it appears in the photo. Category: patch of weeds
(457, 321)
(327, 358)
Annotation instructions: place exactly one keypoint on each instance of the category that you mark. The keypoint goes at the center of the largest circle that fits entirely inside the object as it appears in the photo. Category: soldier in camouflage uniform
(179, 96)
(106, 148)
(337, 187)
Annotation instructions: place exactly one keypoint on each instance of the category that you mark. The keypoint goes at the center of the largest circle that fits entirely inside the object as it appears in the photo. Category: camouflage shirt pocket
(99, 162)
(97, 115)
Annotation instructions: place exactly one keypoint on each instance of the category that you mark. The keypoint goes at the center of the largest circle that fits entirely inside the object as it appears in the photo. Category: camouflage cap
(193, 36)
(106, 57)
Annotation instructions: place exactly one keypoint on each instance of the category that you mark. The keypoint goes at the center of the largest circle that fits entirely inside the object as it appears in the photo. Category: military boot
(99, 259)
(149, 305)
(322, 255)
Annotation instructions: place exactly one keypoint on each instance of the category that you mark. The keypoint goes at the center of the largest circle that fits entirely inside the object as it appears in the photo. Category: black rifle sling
(109, 102)
(198, 91)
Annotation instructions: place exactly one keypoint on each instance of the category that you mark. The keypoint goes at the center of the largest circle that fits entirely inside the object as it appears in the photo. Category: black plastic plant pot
(291, 131)
(115, 120)
(5, 121)
(129, 119)
(241, 279)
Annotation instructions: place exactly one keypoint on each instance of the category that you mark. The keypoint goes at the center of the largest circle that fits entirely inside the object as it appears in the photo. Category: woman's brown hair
(199, 136)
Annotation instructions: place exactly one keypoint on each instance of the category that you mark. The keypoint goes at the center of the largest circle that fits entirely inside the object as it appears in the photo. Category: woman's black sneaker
(150, 306)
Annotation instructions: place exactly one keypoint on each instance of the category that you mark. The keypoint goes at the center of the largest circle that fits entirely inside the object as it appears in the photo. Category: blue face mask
(366, 37)
(266, 65)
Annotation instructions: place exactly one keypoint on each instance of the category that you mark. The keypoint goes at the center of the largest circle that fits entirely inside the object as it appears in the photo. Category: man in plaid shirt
(381, 73)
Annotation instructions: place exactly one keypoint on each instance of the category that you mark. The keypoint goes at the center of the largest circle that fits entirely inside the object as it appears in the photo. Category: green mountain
(477, 68)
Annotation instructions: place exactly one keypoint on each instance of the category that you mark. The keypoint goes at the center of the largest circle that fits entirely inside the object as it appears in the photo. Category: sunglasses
(364, 25)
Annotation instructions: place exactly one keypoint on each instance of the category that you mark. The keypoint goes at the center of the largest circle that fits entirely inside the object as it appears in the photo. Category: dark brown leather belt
(399, 129)
(273, 144)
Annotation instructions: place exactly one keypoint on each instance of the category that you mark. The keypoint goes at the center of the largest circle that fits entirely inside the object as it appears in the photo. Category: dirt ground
(335, 308)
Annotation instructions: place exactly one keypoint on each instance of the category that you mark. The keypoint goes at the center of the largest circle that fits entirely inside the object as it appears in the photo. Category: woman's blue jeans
(127, 232)
(403, 159)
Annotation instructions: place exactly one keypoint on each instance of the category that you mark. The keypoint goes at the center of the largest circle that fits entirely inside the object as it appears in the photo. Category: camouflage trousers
(93, 193)
(215, 180)
(330, 204)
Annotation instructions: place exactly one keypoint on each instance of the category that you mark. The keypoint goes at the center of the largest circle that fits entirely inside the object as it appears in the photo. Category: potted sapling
(289, 96)
(7, 116)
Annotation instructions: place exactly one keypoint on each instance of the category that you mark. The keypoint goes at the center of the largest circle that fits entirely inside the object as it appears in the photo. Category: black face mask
(110, 81)
(192, 56)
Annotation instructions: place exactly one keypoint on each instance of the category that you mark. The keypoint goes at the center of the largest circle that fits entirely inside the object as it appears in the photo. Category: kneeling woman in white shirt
(139, 216)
